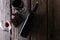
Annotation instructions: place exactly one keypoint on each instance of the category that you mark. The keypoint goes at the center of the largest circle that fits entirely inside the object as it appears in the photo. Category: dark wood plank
(40, 23)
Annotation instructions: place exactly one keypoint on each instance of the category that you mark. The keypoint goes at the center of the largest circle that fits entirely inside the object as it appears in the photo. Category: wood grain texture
(39, 22)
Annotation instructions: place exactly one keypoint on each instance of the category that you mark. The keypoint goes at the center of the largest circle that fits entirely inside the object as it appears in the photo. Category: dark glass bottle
(18, 4)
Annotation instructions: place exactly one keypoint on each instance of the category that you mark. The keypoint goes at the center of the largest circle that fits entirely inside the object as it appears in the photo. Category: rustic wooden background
(39, 31)
(40, 21)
